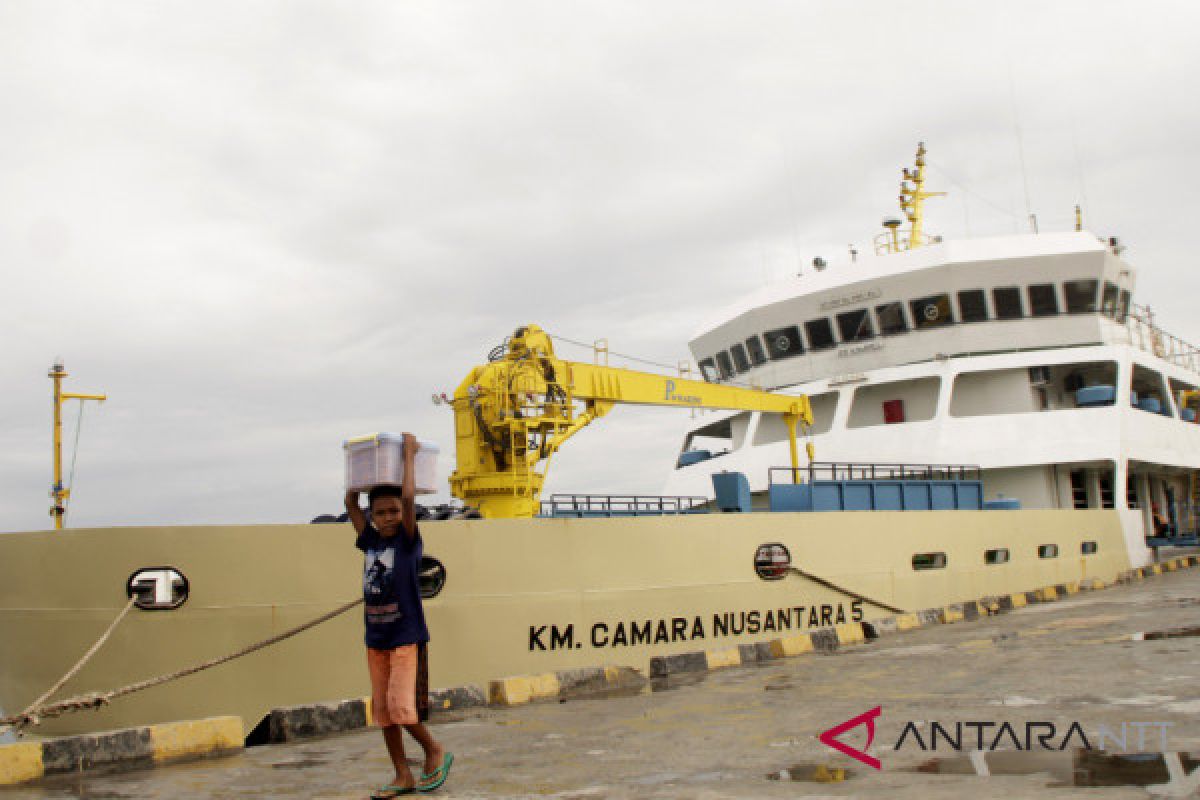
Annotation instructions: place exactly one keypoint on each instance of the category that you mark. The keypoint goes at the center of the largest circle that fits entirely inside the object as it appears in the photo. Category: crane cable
(74, 456)
(668, 367)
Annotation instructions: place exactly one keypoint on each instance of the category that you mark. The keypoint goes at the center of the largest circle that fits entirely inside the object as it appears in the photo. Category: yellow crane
(513, 413)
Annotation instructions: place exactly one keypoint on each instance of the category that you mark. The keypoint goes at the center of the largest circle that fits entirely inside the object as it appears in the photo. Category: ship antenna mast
(912, 199)
(58, 492)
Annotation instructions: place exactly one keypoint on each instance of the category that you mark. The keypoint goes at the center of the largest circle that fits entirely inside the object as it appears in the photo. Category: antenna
(1012, 93)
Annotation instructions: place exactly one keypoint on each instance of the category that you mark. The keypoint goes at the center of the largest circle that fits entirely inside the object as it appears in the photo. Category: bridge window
(1088, 548)
(972, 306)
(1080, 296)
(1048, 551)
(784, 343)
(1108, 305)
(708, 368)
(740, 362)
(922, 561)
(1042, 300)
(997, 556)
(820, 334)
(1007, 300)
(932, 311)
(754, 347)
(724, 365)
(891, 318)
(855, 326)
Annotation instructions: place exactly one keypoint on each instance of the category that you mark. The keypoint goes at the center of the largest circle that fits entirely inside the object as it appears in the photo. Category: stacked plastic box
(378, 458)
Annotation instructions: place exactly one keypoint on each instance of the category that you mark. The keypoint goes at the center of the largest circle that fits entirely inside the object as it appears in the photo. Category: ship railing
(1147, 336)
(621, 505)
(852, 471)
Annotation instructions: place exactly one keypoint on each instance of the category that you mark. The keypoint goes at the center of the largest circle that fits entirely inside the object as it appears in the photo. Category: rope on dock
(93, 700)
(830, 585)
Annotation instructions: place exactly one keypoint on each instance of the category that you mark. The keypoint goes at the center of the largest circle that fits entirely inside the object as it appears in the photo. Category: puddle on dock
(1081, 768)
(299, 763)
(1169, 633)
(812, 773)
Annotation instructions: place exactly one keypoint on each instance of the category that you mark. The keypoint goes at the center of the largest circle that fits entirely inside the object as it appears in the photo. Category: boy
(396, 632)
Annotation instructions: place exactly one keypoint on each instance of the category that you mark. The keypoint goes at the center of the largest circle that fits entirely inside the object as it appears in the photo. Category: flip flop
(438, 776)
(391, 790)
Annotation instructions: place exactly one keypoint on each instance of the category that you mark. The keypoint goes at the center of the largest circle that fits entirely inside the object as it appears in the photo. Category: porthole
(157, 588)
(1048, 551)
(772, 561)
(431, 577)
(922, 561)
(998, 556)
(1087, 548)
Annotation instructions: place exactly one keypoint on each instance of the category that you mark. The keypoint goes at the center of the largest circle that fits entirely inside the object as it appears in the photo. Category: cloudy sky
(264, 227)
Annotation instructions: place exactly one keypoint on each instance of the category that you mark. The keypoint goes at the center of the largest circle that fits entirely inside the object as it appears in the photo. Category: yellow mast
(912, 199)
(58, 492)
(912, 203)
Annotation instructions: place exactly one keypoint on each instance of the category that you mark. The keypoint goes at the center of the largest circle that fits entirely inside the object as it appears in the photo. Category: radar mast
(912, 203)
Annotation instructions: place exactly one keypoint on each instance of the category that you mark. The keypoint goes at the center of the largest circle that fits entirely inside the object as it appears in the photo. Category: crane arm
(512, 414)
(598, 382)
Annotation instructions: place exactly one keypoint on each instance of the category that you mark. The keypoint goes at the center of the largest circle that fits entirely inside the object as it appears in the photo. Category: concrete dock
(1097, 666)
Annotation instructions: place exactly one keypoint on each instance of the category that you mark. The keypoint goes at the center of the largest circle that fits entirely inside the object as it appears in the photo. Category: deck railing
(631, 505)
(849, 471)
(1144, 334)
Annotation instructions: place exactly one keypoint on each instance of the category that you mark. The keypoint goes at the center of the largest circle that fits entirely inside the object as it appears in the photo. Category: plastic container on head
(378, 458)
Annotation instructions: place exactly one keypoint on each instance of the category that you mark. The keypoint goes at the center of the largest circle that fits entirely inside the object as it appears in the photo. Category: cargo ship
(978, 418)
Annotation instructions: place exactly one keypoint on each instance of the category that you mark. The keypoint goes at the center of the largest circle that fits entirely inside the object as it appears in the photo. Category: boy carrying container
(395, 622)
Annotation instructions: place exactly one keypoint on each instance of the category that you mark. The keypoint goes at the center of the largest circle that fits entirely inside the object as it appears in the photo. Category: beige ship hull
(591, 582)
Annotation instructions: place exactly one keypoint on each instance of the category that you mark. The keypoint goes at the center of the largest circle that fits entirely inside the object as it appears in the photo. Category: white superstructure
(1022, 354)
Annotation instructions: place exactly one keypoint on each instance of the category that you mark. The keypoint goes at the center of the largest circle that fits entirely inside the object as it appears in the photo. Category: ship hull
(520, 597)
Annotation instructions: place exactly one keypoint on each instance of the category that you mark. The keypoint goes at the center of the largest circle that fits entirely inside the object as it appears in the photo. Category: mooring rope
(830, 585)
(93, 700)
(73, 670)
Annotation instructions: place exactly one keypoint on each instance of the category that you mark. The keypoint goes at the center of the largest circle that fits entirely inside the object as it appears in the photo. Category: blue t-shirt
(391, 594)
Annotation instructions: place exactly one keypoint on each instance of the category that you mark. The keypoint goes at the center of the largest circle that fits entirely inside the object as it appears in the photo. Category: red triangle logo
(829, 737)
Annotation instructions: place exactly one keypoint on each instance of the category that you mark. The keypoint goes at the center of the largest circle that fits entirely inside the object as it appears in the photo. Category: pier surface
(1125, 660)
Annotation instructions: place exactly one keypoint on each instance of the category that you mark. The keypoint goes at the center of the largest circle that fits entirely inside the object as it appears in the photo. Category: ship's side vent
(922, 561)
(998, 556)
(1048, 551)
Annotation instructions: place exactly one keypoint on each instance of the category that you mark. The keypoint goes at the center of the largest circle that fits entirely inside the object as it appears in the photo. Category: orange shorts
(399, 685)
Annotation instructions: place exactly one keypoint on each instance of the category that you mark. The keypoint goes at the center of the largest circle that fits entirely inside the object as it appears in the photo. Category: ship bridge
(945, 299)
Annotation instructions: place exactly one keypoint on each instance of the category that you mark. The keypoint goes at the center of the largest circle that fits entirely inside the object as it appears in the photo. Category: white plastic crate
(378, 458)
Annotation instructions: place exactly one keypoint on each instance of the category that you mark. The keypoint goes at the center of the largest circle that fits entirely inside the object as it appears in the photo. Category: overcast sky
(264, 227)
